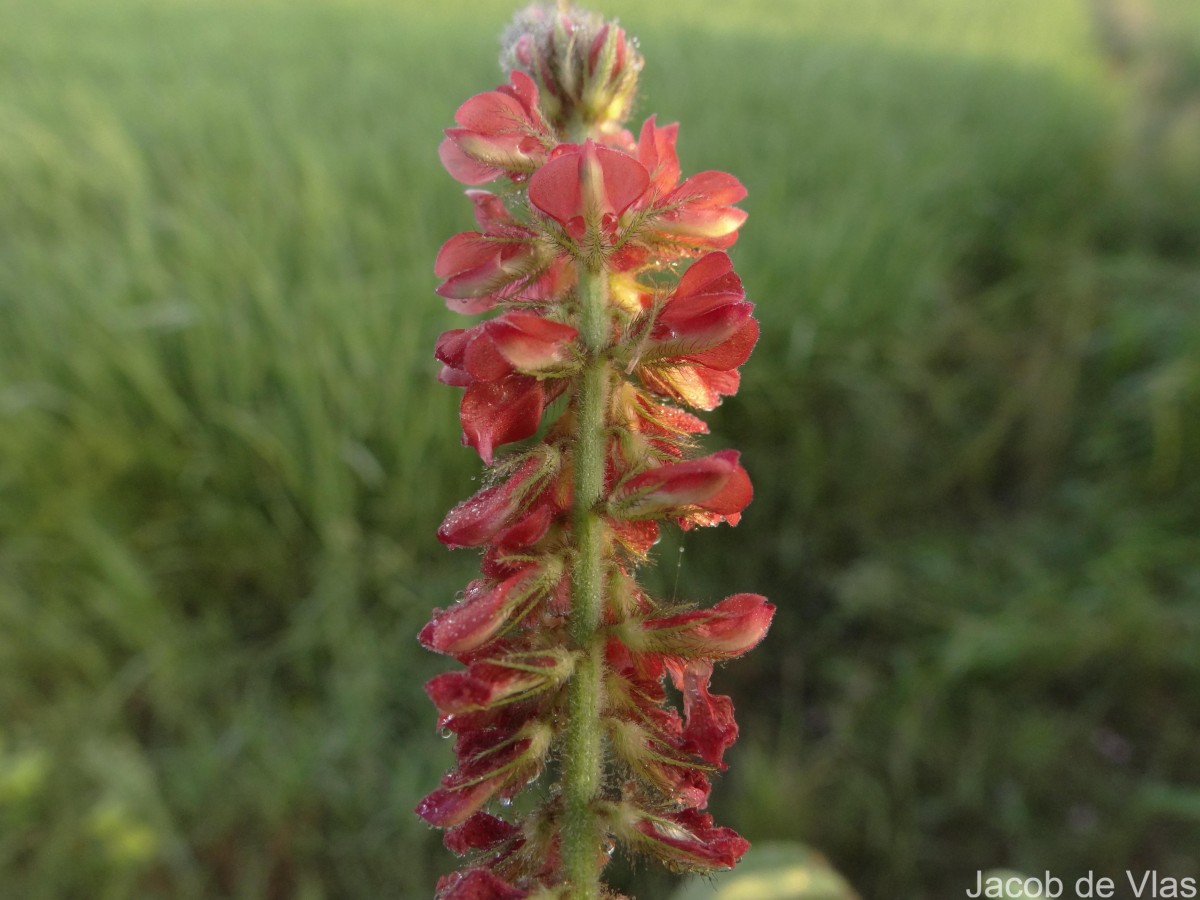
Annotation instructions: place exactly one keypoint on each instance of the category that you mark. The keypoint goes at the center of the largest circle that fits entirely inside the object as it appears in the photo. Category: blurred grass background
(972, 423)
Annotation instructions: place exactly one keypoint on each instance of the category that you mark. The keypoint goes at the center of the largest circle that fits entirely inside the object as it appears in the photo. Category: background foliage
(972, 423)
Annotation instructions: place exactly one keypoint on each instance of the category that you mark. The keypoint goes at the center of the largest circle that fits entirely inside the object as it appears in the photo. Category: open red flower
(703, 332)
(706, 320)
(588, 186)
(496, 361)
(502, 261)
(500, 132)
(696, 215)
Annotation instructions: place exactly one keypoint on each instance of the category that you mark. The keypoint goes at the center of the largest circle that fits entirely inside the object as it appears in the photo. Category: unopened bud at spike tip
(586, 68)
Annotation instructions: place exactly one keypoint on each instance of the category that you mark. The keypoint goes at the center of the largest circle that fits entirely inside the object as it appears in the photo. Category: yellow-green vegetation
(772, 871)
(973, 423)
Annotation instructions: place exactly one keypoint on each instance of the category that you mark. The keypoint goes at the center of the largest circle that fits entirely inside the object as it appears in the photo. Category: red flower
(703, 332)
(488, 764)
(684, 840)
(728, 629)
(496, 509)
(706, 320)
(500, 261)
(494, 361)
(701, 491)
(587, 186)
(477, 884)
(486, 610)
(501, 132)
(698, 214)
(491, 683)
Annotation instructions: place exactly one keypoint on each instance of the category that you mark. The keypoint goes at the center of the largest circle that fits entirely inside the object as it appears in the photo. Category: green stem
(583, 763)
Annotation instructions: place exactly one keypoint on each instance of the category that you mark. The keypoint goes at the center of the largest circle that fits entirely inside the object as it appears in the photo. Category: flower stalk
(583, 760)
(565, 655)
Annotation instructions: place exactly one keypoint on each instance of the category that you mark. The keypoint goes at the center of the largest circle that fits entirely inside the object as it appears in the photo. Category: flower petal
(591, 183)
(500, 412)
(728, 629)
(477, 884)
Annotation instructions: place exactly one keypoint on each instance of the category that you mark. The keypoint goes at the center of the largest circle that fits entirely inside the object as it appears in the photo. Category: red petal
(463, 252)
(524, 89)
(500, 412)
(656, 151)
(528, 530)
(480, 832)
(715, 484)
(490, 211)
(478, 518)
(728, 629)
(452, 806)
(688, 839)
(477, 884)
(463, 168)
(482, 360)
(585, 182)
(492, 112)
(710, 281)
(709, 729)
(731, 352)
(696, 385)
(710, 189)
(473, 621)
(530, 343)
(636, 537)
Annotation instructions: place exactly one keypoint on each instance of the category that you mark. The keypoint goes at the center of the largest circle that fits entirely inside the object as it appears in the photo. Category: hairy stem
(583, 765)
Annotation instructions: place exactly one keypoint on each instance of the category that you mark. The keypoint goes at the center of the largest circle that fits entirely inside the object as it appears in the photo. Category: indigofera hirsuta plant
(616, 306)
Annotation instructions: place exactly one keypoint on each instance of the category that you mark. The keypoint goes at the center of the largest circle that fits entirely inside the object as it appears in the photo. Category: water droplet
(506, 802)
(447, 733)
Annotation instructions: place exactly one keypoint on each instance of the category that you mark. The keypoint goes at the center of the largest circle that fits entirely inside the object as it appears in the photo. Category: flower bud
(587, 69)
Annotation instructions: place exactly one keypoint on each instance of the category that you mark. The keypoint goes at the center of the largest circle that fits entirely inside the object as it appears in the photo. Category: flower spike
(573, 397)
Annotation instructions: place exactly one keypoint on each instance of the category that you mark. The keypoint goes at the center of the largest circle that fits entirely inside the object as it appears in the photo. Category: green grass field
(973, 422)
